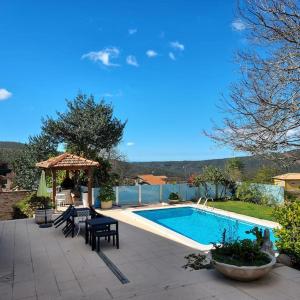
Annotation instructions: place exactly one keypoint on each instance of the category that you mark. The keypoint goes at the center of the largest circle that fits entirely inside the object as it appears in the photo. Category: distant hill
(182, 169)
(185, 168)
(8, 151)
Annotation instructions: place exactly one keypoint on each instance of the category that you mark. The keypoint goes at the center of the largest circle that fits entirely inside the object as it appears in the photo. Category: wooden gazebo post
(90, 185)
(53, 171)
(69, 162)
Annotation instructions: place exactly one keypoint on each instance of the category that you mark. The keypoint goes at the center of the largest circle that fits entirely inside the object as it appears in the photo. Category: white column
(117, 195)
(160, 192)
(140, 194)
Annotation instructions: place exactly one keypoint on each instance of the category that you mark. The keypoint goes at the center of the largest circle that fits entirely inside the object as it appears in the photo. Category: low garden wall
(7, 201)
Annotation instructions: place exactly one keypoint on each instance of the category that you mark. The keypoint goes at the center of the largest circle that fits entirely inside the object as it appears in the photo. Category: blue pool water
(201, 226)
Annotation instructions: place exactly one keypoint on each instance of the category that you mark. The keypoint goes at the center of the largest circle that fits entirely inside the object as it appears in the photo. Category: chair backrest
(61, 196)
(60, 217)
(94, 213)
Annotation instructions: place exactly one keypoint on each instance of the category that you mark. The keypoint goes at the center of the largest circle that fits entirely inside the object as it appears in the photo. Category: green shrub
(240, 253)
(288, 216)
(174, 196)
(249, 192)
(29, 204)
(106, 193)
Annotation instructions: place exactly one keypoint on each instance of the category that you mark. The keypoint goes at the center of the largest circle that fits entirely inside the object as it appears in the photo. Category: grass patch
(245, 208)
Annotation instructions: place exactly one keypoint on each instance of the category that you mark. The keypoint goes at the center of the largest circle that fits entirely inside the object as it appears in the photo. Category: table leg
(117, 230)
(86, 233)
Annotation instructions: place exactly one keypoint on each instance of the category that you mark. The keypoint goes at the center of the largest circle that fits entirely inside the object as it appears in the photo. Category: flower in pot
(107, 196)
(174, 198)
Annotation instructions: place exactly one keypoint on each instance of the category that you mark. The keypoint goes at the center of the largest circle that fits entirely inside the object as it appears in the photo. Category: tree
(39, 148)
(262, 113)
(213, 175)
(234, 168)
(265, 175)
(87, 128)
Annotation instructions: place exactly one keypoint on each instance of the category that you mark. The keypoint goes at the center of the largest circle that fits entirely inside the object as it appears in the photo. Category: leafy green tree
(265, 175)
(39, 148)
(87, 128)
(234, 168)
(214, 175)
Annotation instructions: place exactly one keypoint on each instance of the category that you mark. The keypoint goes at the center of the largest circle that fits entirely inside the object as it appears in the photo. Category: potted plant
(174, 198)
(107, 196)
(34, 205)
(242, 260)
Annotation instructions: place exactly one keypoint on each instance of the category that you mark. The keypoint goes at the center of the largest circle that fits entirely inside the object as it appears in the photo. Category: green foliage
(250, 192)
(174, 196)
(258, 235)
(265, 174)
(106, 193)
(234, 167)
(197, 262)
(240, 253)
(288, 242)
(87, 128)
(29, 204)
(39, 148)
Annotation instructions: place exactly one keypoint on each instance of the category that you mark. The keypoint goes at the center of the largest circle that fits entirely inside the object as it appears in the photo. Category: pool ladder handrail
(205, 202)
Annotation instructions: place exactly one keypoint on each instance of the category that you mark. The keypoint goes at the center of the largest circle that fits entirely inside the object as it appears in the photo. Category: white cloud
(132, 31)
(172, 56)
(238, 25)
(4, 94)
(131, 60)
(130, 144)
(177, 46)
(104, 56)
(151, 53)
(111, 95)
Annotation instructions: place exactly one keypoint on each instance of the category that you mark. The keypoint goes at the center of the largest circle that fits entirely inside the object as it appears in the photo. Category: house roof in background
(153, 179)
(65, 161)
(288, 176)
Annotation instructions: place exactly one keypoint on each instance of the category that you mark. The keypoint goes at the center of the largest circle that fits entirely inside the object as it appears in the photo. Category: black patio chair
(62, 216)
(94, 213)
(107, 233)
(69, 223)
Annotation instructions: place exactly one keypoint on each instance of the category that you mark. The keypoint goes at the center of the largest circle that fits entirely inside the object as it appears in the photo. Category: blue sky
(162, 64)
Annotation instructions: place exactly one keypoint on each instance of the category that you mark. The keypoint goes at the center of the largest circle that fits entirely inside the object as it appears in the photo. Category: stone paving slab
(42, 264)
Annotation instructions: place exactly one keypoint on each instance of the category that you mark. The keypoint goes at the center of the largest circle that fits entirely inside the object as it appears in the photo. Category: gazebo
(69, 162)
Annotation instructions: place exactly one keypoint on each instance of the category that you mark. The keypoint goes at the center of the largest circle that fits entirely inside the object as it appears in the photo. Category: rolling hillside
(8, 150)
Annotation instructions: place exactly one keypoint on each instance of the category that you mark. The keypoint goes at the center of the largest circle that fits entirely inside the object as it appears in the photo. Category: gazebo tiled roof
(67, 161)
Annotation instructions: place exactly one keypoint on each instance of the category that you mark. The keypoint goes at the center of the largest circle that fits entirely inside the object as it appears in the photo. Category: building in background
(289, 181)
(150, 179)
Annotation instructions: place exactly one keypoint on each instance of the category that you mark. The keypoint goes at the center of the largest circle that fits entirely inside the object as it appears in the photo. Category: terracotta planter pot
(106, 204)
(245, 273)
(40, 215)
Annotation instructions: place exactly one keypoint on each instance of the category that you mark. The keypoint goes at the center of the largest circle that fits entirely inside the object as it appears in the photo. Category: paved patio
(41, 264)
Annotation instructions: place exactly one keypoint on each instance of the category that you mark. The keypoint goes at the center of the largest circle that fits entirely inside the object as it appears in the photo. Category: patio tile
(24, 289)
(287, 272)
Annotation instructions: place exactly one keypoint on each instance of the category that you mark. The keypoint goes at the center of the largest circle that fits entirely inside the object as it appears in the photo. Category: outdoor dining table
(97, 223)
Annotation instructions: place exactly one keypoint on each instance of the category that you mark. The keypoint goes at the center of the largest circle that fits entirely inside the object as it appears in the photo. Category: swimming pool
(201, 226)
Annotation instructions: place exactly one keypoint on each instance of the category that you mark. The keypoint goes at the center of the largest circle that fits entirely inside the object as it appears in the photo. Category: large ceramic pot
(106, 204)
(245, 273)
(40, 215)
